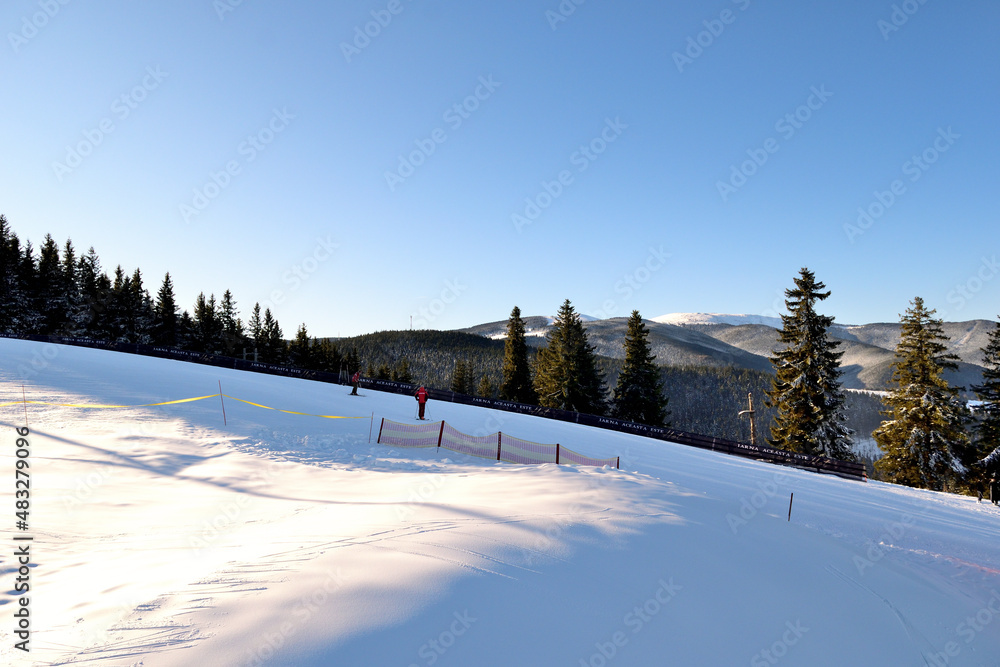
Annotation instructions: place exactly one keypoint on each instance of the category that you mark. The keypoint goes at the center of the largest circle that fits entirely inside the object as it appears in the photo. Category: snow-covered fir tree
(988, 429)
(806, 391)
(924, 439)
(638, 395)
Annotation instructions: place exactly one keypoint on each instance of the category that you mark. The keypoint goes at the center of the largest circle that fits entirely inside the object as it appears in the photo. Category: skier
(994, 495)
(421, 396)
(354, 381)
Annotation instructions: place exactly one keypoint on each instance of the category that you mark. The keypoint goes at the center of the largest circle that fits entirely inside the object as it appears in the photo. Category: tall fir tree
(988, 428)
(232, 330)
(165, 314)
(300, 351)
(73, 324)
(924, 439)
(516, 384)
(50, 289)
(274, 342)
(806, 391)
(462, 380)
(566, 375)
(12, 297)
(638, 395)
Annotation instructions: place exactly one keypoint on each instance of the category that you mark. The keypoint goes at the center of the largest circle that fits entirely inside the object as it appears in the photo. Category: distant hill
(746, 342)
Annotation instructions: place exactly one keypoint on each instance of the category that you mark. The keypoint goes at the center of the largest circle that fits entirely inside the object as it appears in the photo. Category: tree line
(928, 437)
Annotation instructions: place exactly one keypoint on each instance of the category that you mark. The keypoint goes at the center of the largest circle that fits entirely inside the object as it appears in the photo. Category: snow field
(163, 537)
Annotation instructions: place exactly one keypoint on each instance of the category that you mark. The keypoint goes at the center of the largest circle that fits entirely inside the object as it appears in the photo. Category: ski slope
(164, 537)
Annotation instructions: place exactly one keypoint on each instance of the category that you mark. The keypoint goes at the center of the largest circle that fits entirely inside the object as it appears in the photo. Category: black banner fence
(819, 464)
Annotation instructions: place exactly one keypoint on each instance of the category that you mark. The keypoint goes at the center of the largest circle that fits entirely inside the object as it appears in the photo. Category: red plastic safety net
(495, 446)
(409, 435)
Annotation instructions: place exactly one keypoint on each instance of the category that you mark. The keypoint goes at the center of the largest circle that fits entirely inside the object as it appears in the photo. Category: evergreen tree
(208, 324)
(806, 390)
(461, 379)
(516, 384)
(924, 439)
(73, 325)
(231, 327)
(638, 396)
(383, 372)
(327, 356)
(988, 429)
(95, 290)
(50, 294)
(255, 329)
(352, 362)
(274, 341)
(402, 372)
(165, 315)
(138, 311)
(300, 349)
(12, 297)
(486, 389)
(566, 375)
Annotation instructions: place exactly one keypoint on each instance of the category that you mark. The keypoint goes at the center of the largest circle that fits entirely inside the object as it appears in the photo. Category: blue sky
(464, 157)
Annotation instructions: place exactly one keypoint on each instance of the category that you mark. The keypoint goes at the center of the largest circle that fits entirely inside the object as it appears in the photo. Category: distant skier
(994, 495)
(354, 381)
(421, 396)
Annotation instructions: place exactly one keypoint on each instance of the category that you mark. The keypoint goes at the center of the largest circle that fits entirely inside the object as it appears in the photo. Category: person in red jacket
(354, 381)
(421, 400)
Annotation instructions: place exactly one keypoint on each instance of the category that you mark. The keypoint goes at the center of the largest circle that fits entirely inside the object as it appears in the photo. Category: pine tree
(11, 294)
(461, 379)
(806, 390)
(924, 439)
(73, 325)
(402, 372)
(353, 362)
(516, 384)
(566, 375)
(300, 349)
(232, 330)
(486, 389)
(95, 290)
(988, 429)
(165, 315)
(638, 396)
(208, 325)
(255, 329)
(50, 289)
(274, 341)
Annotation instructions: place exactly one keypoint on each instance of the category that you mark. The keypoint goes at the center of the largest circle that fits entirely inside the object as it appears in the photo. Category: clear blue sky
(835, 97)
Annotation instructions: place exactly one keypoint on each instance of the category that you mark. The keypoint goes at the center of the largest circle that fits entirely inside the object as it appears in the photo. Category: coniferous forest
(55, 289)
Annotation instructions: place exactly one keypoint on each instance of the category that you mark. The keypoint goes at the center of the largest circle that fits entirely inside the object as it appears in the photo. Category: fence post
(557, 453)
(499, 438)
(618, 463)
(441, 433)
(378, 440)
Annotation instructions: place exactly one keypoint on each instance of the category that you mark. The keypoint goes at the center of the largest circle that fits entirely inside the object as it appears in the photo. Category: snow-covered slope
(163, 536)
(717, 318)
